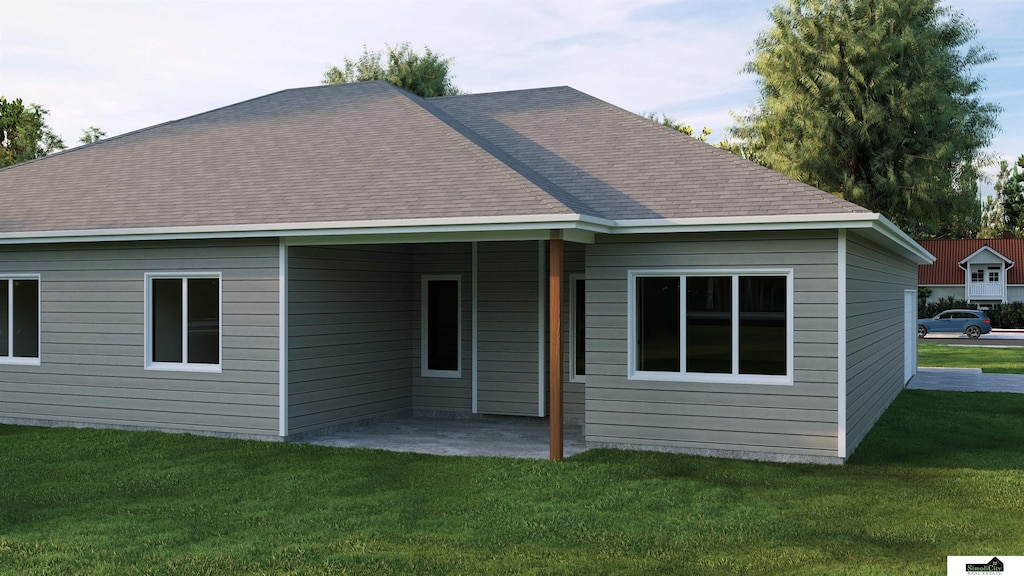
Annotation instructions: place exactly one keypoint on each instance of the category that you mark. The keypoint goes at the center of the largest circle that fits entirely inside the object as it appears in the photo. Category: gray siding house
(326, 255)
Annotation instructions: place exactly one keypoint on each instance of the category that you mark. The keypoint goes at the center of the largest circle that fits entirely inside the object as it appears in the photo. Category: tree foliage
(91, 134)
(875, 101)
(427, 74)
(666, 120)
(24, 134)
(1004, 212)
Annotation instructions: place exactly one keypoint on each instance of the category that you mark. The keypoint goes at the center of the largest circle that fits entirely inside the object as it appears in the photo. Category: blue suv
(974, 323)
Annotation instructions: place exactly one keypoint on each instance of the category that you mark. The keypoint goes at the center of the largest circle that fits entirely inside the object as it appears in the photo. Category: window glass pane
(443, 325)
(167, 317)
(203, 321)
(580, 328)
(657, 324)
(26, 318)
(5, 342)
(763, 325)
(709, 324)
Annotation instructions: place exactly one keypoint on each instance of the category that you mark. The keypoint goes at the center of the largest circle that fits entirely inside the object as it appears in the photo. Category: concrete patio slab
(511, 437)
(966, 380)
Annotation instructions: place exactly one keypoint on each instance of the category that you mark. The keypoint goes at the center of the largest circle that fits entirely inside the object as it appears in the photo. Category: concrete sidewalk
(965, 380)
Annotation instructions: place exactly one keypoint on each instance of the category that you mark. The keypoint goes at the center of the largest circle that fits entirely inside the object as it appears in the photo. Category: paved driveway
(966, 380)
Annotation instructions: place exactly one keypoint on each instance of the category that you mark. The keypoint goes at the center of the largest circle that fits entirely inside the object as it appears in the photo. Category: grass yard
(995, 360)
(942, 473)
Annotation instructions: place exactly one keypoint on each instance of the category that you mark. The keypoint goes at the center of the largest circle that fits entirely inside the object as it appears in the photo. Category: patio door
(909, 334)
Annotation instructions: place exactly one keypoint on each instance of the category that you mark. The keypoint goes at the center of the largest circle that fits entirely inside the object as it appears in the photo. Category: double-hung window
(19, 319)
(712, 325)
(441, 322)
(183, 321)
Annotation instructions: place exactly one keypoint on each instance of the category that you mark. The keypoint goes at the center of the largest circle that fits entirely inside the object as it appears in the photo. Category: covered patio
(384, 337)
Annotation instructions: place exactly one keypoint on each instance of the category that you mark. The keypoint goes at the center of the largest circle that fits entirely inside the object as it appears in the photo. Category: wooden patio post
(556, 265)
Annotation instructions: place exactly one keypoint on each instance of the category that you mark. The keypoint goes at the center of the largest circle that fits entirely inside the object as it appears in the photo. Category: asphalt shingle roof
(370, 151)
(623, 166)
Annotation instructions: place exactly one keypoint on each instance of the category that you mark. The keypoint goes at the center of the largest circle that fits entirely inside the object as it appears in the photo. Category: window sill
(17, 361)
(172, 367)
(713, 378)
(578, 379)
(441, 373)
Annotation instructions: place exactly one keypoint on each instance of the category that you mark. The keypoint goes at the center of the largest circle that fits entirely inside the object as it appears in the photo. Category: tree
(427, 74)
(1004, 212)
(666, 120)
(91, 134)
(24, 134)
(875, 101)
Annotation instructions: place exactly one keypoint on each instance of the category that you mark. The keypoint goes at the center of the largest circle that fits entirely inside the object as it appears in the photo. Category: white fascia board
(893, 233)
(579, 228)
(311, 229)
(745, 224)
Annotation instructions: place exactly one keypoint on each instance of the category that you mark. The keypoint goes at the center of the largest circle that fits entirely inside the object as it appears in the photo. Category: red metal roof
(948, 254)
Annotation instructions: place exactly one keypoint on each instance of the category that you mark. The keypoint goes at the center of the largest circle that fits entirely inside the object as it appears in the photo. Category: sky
(128, 64)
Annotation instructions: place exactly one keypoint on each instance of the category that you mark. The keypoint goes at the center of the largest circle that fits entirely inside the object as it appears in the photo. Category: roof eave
(868, 221)
(425, 227)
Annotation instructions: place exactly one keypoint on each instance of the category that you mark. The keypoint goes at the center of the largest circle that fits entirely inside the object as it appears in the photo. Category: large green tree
(875, 101)
(24, 134)
(427, 74)
(1004, 212)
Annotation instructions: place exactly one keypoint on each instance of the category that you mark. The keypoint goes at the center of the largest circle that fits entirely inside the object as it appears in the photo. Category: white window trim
(573, 376)
(7, 356)
(424, 371)
(682, 375)
(184, 365)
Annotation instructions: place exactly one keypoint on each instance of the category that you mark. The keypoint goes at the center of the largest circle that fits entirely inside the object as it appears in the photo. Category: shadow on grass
(936, 429)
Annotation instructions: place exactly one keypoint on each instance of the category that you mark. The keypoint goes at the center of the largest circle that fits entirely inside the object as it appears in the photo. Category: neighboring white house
(981, 271)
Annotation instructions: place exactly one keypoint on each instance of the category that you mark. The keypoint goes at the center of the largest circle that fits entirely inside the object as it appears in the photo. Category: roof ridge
(729, 156)
(496, 92)
(423, 106)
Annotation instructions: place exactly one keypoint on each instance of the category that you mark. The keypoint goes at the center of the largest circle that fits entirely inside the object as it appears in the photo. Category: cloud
(124, 65)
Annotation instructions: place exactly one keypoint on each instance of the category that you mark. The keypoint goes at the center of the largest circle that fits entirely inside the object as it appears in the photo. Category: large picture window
(19, 320)
(712, 325)
(183, 322)
(442, 326)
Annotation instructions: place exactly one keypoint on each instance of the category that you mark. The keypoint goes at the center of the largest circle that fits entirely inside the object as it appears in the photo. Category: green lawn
(942, 473)
(997, 360)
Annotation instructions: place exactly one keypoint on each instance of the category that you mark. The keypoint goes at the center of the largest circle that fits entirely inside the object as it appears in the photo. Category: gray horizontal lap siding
(798, 419)
(875, 283)
(350, 322)
(92, 339)
(508, 301)
(441, 393)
